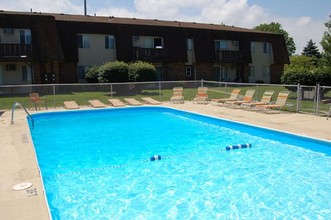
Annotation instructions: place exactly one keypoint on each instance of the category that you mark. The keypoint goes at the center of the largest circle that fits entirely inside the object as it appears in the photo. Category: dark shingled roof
(136, 21)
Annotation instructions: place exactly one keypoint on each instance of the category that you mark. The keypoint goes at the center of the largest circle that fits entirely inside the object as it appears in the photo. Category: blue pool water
(95, 165)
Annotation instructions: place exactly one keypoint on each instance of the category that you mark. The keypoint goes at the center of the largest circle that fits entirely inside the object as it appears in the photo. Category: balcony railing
(149, 54)
(15, 51)
(228, 56)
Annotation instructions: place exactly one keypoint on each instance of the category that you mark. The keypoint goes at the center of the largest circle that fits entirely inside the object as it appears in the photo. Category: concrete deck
(18, 163)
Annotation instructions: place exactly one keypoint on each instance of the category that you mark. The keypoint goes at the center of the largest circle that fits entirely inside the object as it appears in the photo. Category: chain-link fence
(302, 99)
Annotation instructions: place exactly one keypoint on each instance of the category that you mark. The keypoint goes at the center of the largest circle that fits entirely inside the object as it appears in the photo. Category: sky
(302, 19)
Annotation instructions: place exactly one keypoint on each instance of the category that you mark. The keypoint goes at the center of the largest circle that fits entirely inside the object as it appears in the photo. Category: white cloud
(302, 30)
(55, 6)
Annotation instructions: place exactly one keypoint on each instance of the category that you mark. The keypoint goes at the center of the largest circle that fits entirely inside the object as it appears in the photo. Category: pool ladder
(26, 111)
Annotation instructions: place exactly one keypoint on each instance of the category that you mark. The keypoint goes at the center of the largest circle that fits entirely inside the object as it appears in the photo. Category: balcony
(228, 56)
(149, 54)
(15, 52)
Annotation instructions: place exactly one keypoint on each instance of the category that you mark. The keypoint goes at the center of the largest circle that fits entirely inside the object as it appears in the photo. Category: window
(188, 71)
(266, 47)
(158, 43)
(8, 30)
(266, 71)
(26, 74)
(109, 42)
(10, 67)
(221, 44)
(135, 38)
(25, 36)
(82, 70)
(83, 41)
(221, 73)
(252, 47)
(189, 44)
(251, 71)
(224, 44)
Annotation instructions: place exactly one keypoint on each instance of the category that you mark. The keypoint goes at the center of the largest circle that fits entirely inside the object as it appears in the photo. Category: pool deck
(18, 163)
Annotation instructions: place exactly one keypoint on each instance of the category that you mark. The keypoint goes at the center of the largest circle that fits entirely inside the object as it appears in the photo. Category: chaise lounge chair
(177, 96)
(327, 101)
(96, 103)
(116, 102)
(278, 105)
(36, 100)
(70, 105)
(247, 99)
(202, 96)
(266, 99)
(133, 101)
(151, 101)
(233, 97)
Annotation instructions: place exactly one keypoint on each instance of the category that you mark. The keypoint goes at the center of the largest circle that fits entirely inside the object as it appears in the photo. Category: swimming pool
(96, 165)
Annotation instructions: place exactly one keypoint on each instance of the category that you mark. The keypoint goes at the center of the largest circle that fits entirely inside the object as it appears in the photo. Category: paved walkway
(18, 163)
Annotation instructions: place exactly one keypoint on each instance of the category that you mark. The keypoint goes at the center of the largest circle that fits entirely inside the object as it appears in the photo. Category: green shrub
(92, 74)
(305, 71)
(303, 77)
(323, 76)
(113, 72)
(141, 71)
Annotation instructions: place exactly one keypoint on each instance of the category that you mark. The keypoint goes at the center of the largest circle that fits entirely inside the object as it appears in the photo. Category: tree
(326, 44)
(311, 50)
(302, 69)
(275, 27)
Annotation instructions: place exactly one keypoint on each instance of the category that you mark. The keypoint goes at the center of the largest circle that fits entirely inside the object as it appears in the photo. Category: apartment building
(59, 48)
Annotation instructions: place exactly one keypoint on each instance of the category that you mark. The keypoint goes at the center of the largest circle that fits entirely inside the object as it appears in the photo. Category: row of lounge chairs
(95, 103)
(234, 101)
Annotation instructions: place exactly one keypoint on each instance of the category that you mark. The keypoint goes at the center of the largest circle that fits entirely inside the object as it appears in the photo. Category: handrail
(26, 111)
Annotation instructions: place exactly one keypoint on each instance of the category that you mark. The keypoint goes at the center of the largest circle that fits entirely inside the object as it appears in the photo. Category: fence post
(257, 91)
(298, 97)
(54, 93)
(160, 90)
(111, 90)
(201, 82)
(318, 98)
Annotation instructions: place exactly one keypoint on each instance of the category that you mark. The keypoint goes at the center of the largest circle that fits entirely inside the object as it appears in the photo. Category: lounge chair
(266, 99)
(151, 101)
(37, 100)
(177, 96)
(133, 101)
(327, 101)
(116, 102)
(70, 105)
(247, 99)
(202, 96)
(233, 97)
(278, 105)
(96, 103)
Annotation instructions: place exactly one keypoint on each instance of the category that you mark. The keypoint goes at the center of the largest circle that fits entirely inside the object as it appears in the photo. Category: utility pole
(85, 10)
